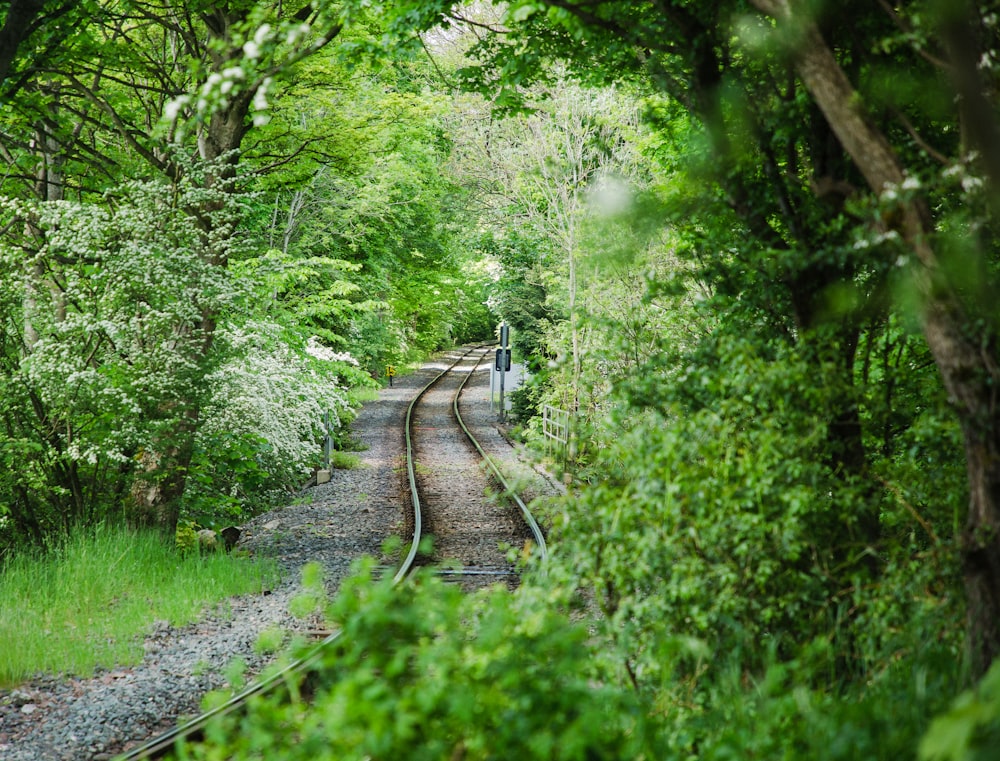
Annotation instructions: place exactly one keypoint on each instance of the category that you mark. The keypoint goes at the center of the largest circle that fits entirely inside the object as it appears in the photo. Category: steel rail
(507, 490)
(161, 744)
(407, 565)
(165, 742)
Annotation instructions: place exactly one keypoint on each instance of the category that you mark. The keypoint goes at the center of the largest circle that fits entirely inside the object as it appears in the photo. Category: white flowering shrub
(107, 316)
(113, 319)
(263, 424)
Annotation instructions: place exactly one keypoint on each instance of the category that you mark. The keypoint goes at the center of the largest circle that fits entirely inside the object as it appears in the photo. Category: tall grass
(87, 603)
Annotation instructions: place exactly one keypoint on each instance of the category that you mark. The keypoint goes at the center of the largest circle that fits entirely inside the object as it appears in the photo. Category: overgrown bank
(748, 249)
(89, 601)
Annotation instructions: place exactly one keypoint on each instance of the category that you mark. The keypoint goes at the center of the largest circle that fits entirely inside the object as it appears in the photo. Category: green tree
(539, 181)
(107, 356)
(130, 89)
(370, 241)
(833, 209)
(957, 316)
(838, 181)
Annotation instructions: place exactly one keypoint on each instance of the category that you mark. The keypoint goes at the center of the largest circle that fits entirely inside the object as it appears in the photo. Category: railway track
(448, 484)
(449, 475)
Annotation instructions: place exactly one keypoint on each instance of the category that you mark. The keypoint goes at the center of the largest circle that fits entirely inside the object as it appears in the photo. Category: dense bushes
(113, 363)
(422, 672)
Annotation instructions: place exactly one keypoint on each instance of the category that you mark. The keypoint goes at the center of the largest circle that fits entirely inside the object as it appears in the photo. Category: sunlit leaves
(428, 673)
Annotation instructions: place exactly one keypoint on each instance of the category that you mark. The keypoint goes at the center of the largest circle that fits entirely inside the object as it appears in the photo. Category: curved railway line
(448, 483)
(447, 486)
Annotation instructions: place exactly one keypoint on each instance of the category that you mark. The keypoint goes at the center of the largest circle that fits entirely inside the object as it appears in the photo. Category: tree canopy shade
(23, 20)
(836, 143)
(750, 244)
(148, 161)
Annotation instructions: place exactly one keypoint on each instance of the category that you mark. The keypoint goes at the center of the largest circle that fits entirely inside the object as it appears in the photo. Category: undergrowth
(86, 603)
(424, 672)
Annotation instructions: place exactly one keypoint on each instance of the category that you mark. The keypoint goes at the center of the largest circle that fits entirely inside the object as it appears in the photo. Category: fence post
(328, 439)
(555, 429)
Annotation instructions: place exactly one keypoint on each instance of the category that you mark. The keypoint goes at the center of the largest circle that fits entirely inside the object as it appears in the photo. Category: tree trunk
(156, 493)
(964, 346)
(972, 377)
(17, 27)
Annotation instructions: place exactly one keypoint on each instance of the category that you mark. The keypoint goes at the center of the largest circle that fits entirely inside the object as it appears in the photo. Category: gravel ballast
(58, 717)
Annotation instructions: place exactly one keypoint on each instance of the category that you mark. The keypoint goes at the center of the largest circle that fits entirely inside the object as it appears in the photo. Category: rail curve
(417, 506)
(161, 745)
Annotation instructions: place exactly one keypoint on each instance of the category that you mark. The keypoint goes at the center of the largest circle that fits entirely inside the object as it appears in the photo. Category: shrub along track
(346, 518)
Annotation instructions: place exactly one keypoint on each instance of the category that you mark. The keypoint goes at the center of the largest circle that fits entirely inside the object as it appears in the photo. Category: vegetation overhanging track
(159, 746)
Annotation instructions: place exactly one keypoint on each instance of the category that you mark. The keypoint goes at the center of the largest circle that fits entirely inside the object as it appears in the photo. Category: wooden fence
(555, 428)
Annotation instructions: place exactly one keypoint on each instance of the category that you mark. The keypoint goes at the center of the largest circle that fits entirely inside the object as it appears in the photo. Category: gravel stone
(52, 718)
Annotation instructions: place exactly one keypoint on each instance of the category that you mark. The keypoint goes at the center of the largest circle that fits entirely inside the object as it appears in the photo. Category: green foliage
(370, 260)
(518, 295)
(104, 350)
(344, 460)
(970, 729)
(755, 464)
(526, 401)
(716, 504)
(130, 292)
(770, 479)
(312, 598)
(780, 714)
(422, 671)
(726, 509)
(186, 539)
(270, 640)
(263, 422)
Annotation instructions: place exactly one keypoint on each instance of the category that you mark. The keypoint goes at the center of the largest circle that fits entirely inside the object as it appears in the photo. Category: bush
(263, 424)
(423, 672)
(970, 729)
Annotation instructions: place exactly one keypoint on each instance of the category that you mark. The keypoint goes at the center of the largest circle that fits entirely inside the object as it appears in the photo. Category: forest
(749, 247)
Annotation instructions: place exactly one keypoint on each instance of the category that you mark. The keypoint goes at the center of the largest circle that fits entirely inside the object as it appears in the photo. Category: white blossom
(970, 183)
(297, 32)
(260, 97)
(265, 390)
(260, 103)
(316, 349)
(173, 108)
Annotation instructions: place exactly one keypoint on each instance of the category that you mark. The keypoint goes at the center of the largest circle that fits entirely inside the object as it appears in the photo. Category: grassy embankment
(87, 604)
